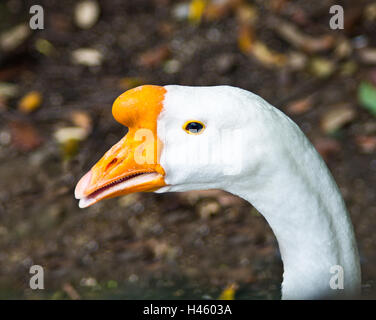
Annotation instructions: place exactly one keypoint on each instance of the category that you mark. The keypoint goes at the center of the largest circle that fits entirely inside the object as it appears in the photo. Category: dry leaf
(196, 10)
(245, 39)
(300, 40)
(8, 90)
(44, 47)
(267, 56)
(368, 55)
(30, 102)
(247, 14)
(11, 39)
(370, 12)
(216, 10)
(336, 117)
(321, 67)
(64, 135)
(229, 292)
(154, 57)
(367, 143)
(71, 291)
(69, 139)
(300, 106)
(87, 57)
(82, 120)
(209, 208)
(296, 60)
(343, 48)
(86, 14)
(24, 136)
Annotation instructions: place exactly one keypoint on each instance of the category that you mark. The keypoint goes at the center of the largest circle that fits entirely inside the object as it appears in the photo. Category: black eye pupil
(194, 127)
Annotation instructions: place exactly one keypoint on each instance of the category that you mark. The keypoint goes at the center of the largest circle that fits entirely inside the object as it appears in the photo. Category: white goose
(272, 165)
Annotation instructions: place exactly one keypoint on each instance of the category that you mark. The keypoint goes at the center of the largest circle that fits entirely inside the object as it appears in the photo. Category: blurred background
(57, 86)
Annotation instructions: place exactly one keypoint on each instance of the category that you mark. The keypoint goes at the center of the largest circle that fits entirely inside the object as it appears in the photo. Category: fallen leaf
(8, 90)
(296, 60)
(267, 56)
(245, 39)
(370, 12)
(208, 208)
(63, 135)
(248, 44)
(30, 102)
(229, 292)
(336, 117)
(24, 136)
(172, 66)
(367, 55)
(367, 96)
(225, 62)
(154, 57)
(82, 120)
(343, 48)
(69, 139)
(367, 144)
(86, 14)
(216, 10)
(321, 67)
(87, 56)
(13, 38)
(181, 11)
(247, 14)
(300, 40)
(196, 10)
(300, 106)
(71, 291)
(44, 47)
(88, 282)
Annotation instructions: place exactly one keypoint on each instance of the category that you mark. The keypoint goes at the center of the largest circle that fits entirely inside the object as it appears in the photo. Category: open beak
(132, 164)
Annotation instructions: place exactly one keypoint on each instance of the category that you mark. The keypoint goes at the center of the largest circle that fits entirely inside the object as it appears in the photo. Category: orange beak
(132, 164)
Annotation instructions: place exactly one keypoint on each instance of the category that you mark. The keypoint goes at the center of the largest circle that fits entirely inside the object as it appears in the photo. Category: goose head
(179, 138)
(192, 138)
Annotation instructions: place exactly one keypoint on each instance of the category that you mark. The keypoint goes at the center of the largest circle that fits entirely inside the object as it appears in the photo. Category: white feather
(273, 166)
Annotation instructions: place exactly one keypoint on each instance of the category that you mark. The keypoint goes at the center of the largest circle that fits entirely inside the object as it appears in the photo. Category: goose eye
(194, 127)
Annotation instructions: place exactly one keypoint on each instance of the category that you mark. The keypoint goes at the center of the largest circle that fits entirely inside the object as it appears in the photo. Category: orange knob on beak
(132, 164)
